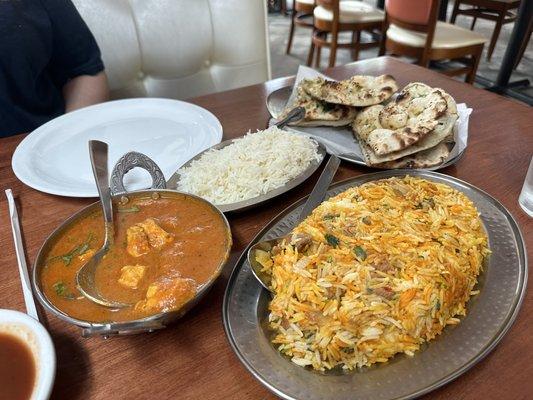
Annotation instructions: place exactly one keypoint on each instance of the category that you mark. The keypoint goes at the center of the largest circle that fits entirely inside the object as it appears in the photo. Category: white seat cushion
(350, 12)
(179, 48)
(306, 2)
(447, 36)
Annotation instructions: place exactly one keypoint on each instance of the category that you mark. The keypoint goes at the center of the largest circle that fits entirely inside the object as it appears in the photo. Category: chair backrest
(329, 4)
(415, 15)
(418, 15)
(333, 6)
(179, 48)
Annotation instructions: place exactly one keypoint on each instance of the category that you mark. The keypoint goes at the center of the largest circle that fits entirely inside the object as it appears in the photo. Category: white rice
(251, 166)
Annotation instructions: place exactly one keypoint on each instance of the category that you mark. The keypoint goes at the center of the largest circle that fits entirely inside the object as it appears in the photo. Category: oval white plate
(55, 158)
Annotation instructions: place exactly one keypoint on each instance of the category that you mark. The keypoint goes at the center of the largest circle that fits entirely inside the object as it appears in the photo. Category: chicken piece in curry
(164, 251)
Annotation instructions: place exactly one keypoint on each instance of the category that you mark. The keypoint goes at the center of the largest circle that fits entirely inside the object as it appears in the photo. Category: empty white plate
(55, 158)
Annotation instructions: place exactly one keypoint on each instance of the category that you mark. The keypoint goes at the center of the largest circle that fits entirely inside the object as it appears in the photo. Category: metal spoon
(85, 276)
(295, 115)
(315, 198)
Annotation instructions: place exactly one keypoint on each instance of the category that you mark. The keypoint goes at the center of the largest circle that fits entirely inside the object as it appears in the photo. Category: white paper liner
(340, 140)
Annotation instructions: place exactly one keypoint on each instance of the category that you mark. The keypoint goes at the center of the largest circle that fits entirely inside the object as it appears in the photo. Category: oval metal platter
(341, 137)
(255, 201)
(490, 314)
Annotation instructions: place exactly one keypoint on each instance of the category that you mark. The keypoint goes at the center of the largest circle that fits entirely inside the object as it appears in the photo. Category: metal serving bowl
(158, 190)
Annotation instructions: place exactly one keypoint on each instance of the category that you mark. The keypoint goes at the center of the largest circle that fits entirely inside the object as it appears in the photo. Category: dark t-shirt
(43, 44)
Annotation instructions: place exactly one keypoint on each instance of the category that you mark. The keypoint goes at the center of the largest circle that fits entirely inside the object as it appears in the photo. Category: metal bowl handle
(132, 160)
(126, 328)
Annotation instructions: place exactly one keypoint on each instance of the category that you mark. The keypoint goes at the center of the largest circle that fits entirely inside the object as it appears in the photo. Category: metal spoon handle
(296, 114)
(321, 187)
(98, 152)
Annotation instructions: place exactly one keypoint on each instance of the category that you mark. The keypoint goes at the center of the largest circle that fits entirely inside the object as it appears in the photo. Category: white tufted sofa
(179, 48)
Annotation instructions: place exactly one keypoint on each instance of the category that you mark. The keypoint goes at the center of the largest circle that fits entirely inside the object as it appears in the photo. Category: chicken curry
(164, 250)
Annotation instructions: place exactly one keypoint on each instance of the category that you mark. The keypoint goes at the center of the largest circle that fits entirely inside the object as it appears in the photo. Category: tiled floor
(283, 65)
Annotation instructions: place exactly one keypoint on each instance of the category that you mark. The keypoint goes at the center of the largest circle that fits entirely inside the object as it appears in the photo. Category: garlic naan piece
(357, 91)
(406, 122)
(367, 121)
(411, 91)
(392, 117)
(423, 159)
(319, 112)
(442, 132)
(370, 119)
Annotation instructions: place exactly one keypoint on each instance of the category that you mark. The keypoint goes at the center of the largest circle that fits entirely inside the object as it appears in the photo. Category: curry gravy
(198, 244)
(17, 368)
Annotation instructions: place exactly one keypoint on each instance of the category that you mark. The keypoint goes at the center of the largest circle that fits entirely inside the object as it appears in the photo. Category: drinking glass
(526, 195)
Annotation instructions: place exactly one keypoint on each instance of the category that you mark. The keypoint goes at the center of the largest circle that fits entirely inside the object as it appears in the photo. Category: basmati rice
(251, 166)
(387, 266)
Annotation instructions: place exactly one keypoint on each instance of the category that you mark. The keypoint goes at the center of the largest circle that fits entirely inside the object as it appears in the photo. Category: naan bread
(442, 132)
(367, 121)
(404, 123)
(320, 113)
(423, 159)
(357, 91)
(370, 125)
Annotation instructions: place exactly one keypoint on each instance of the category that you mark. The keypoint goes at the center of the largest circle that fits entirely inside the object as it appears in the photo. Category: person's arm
(76, 64)
(85, 90)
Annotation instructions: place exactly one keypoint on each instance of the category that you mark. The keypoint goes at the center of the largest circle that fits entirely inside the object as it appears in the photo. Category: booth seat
(179, 48)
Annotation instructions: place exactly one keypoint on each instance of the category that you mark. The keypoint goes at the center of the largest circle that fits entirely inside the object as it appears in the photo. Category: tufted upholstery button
(179, 48)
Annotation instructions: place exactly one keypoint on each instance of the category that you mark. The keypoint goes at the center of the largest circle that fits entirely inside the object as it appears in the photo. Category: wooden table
(192, 359)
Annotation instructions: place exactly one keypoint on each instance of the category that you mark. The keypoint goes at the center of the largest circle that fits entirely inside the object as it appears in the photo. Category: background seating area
(283, 64)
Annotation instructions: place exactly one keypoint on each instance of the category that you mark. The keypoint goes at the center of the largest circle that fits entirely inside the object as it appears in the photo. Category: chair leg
(424, 62)
(291, 31)
(333, 49)
(311, 50)
(476, 56)
(473, 23)
(425, 59)
(318, 54)
(455, 11)
(495, 34)
(356, 39)
(383, 40)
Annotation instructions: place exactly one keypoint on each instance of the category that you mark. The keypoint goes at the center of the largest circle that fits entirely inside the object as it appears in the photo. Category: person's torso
(29, 93)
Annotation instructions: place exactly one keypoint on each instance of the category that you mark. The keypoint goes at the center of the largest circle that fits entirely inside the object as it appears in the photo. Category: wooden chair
(302, 15)
(333, 17)
(493, 10)
(411, 30)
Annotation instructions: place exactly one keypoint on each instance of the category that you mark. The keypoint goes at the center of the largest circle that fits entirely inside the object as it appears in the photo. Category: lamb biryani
(374, 271)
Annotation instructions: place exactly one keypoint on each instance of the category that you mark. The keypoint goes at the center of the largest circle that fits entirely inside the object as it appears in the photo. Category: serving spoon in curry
(85, 278)
(315, 198)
